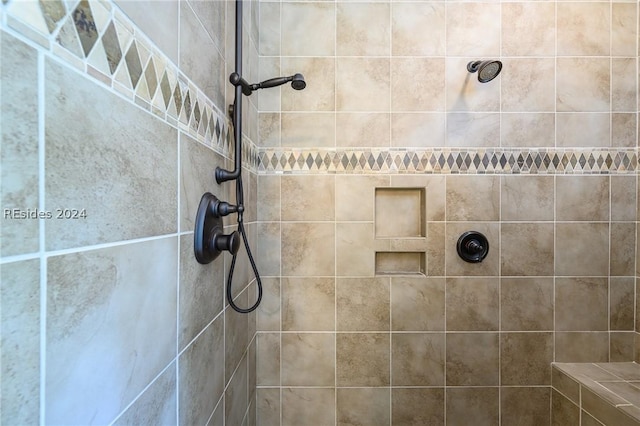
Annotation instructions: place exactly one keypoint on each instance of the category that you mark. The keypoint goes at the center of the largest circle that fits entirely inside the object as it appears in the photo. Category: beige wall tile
(624, 197)
(582, 249)
(624, 131)
(364, 84)
(268, 100)
(563, 411)
(270, 28)
(417, 304)
(363, 304)
(472, 359)
(526, 304)
(480, 404)
(621, 303)
(355, 255)
(268, 406)
(527, 198)
(624, 88)
(161, 393)
(308, 249)
(268, 359)
(622, 246)
(624, 32)
(473, 130)
(436, 249)
(268, 313)
(581, 347)
(466, 22)
(583, 130)
(473, 198)
(528, 29)
(268, 248)
(529, 85)
(301, 19)
(369, 406)
(472, 304)
(19, 133)
(621, 346)
(269, 129)
(418, 21)
(308, 359)
(584, 198)
(417, 359)
(308, 304)
(583, 84)
(308, 198)
(308, 406)
(527, 130)
(583, 29)
(363, 29)
(268, 198)
(418, 84)
(306, 130)
(417, 406)
(20, 315)
(363, 359)
(524, 404)
(355, 196)
(581, 304)
(418, 129)
(358, 129)
(527, 249)
(525, 358)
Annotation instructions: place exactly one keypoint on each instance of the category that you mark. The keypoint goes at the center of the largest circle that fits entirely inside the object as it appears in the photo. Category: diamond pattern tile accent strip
(449, 161)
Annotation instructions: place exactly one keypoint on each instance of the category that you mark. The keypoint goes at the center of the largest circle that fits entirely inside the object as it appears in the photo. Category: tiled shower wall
(117, 110)
(542, 160)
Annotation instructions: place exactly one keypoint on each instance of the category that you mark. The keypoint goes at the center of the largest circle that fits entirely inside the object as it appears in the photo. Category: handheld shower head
(487, 70)
(297, 82)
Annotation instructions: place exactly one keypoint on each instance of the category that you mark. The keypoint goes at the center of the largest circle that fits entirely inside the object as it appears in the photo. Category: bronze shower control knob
(472, 246)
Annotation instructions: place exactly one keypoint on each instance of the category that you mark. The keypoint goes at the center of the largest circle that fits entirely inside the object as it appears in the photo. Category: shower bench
(591, 394)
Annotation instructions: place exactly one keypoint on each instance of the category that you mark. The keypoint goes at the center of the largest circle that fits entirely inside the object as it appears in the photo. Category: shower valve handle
(229, 242)
(222, 208)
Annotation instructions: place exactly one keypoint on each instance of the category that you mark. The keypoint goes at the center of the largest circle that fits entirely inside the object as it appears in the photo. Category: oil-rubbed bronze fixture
(472, 246)
(209, 239)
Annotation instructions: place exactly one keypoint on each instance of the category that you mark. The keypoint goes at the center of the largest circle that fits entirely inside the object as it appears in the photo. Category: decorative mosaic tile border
(96, 38)
(478, 161)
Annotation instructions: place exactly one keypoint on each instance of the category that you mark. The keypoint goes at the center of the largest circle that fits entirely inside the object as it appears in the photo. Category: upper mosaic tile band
(96, 38)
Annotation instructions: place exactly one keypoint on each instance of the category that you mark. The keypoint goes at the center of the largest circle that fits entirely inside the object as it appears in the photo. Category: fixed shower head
(487, 70)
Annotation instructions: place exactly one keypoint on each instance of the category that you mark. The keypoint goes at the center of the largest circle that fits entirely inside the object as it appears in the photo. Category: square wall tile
(369, 406)
(364, 84)
(580, 130)
(529, 85)
(477, 403)
(465, 93)
(319, 73)
(308, 406)
(417, 359)
(525, 405)
(308, 130)
(363, 359)
(417, 304)
(362, 304)
(624, 32)
(527, 129)
(308, 304)
(455, 266)
(308, 249)
(417, 406)
(472, 304)
(418, 21)
(527, 198)
(583, 29)
(472, 359)
(525, 358)
(474, 129)
(581, 304)
(415, 129)
(527, 249)
(308, 198)
(465, 21)
(355, 196)
(582, 249)
(308, 359)
(473, 198)
(363, 29)
(583, 84)
(427, 89)
(526, 304)
(301, 19)
(528, 29)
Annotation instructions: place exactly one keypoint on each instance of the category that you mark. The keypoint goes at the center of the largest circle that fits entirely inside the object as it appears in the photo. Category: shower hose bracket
(209, 239)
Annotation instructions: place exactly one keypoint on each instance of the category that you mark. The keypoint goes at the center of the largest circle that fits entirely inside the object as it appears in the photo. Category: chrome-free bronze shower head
(487, 70)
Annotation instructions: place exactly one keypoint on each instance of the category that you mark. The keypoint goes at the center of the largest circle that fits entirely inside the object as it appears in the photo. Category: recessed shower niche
(400, 231)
